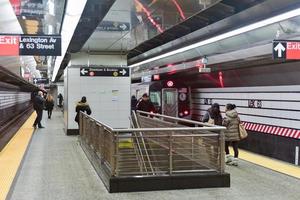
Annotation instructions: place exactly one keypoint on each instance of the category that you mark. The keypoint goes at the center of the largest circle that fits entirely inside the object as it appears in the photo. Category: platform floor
(55, 168)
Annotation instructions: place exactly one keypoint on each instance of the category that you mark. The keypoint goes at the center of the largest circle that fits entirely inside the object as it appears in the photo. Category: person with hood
(231, 122)
(144, 104)
(49, 104)
(213, 115)
(38, 105)
(82, 106)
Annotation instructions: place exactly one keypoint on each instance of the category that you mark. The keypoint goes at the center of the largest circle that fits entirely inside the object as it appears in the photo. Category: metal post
(222, 152)
(171, 153)
(297, 155)
(115, 154)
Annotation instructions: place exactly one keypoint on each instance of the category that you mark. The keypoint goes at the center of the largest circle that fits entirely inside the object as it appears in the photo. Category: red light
(92, 73)
(156, 77)
(170, 83)
(181, 114)
(179, 9)
(148, 13)
(221, 79)
(186, 112)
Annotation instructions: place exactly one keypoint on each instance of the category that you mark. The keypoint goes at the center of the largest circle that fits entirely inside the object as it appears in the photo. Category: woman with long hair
(49, 104)
(213, 115)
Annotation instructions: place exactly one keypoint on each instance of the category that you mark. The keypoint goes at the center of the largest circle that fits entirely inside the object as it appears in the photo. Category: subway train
(169, 97)
(267, 97)
(15, 104)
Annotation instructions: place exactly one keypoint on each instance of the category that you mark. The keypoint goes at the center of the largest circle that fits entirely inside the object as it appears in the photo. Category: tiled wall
(11, 98)
(109, 97)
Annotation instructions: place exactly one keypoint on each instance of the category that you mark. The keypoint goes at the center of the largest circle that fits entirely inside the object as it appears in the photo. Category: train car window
(169, 98)
(155, 98)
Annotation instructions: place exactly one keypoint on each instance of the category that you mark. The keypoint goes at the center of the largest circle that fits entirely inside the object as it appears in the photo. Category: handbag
(242, 131)
(211, 121)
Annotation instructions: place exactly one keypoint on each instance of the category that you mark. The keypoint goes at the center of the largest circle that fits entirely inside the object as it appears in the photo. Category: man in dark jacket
(82, 106)
(145, 104)
(38, 105)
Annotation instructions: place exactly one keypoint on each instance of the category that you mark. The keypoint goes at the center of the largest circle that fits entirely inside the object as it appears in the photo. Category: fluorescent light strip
(73, 13)
(272, 20)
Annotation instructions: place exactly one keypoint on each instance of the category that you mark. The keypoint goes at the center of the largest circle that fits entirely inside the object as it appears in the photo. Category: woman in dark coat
(82, 106)
(231, 121)
(49, 104)
(213, 115)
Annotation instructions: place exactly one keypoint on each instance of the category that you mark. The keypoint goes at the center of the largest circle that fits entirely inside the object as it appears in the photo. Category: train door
(170, 102)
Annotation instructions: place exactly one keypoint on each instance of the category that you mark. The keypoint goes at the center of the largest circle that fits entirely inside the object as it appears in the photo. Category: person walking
(82, 106)
(60, 100)
(49, 104)
(213, 115)
(38, 105)
(231, 122)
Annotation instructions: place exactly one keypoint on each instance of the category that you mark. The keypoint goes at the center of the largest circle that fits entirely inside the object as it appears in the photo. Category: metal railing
(161, 145)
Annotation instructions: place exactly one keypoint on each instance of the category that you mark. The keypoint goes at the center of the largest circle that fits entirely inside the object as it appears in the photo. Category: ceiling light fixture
(71, 18)
(272, 20)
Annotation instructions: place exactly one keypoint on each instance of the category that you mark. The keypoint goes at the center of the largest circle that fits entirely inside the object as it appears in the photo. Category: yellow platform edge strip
(12, 155)
(270, 163)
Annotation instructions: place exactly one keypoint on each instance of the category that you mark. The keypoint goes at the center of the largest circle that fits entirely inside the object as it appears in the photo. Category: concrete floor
(56, 168)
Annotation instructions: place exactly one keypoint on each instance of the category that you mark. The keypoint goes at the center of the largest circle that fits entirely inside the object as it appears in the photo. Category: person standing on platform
(38, 105)
(133, 103)
(49, 104)
(144, 104)
(231, 121)
(213, 115)
(60, 100)
(82, 106)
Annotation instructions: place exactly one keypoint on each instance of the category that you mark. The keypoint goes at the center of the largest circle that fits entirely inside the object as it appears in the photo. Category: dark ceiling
(216, 12)
(93, 13)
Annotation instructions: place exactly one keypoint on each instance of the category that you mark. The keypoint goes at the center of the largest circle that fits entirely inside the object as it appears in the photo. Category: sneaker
(235, 162)
(228, 158)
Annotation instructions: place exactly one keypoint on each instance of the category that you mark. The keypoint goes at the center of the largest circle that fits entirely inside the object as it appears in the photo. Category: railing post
(102, 142)
(171, 153)
(222, 151)
(115, 153)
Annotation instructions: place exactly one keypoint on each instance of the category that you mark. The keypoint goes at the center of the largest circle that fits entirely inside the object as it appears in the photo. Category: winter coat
(84, 107)
(133, 103)
(209, 114)
(231, 122)
(49, 105)
(38, 103)
(145, 106)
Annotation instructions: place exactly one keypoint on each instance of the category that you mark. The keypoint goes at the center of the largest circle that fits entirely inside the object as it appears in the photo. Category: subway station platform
(55, 167)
